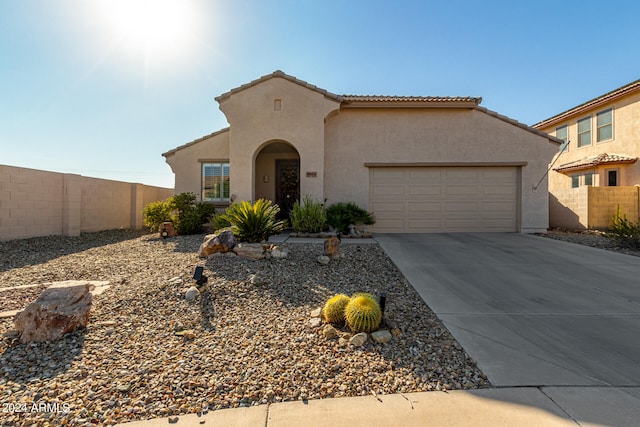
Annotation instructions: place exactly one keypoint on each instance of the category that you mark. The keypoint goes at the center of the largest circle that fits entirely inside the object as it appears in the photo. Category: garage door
(443, 199)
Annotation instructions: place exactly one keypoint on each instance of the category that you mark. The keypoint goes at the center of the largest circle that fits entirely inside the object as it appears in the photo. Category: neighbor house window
(588, 178)
(612, 178)
(575, 181)
(604, 125)
(561, 133)
(215, 182)
(584, 132)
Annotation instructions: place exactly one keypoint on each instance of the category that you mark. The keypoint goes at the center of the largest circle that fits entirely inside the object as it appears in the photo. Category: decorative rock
(315, 322)
(58, 310)
(214, 243)
(279, 252)
(258, 279)
(323, 259)
(253, 251)
(316, 313)
(358, 339)
(329, 332)
(331, 246)
(396, 332)
(191, 294)
(382, 336)
(343, 342)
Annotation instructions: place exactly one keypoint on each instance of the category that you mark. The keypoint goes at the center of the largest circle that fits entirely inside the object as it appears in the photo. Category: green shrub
(254, 222)
(627, 232)
(340, 215)
(155, 213)
(219, 222)
(333, 309)
(363, 314)
(182, 209)
(308, 217)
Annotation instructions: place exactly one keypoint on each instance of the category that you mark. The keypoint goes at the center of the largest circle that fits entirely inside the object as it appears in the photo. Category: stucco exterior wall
(186, 161)
(626, 141)
(276, 109)
(39, 203)
(358, 136)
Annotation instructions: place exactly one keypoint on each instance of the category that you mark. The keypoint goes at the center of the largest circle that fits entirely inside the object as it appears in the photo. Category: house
(598, 170)
(419, 163)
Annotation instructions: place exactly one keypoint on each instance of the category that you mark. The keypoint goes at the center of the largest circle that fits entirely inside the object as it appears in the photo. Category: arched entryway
(277, 175)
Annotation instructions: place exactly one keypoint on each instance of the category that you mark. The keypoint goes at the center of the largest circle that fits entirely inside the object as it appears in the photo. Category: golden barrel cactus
(363, 314)
(333, 310)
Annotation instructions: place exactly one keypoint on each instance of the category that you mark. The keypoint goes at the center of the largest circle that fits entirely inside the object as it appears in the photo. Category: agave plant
(254, 222)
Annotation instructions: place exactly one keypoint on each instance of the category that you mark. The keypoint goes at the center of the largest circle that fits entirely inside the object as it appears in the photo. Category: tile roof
(386, 98)
(595, 102)
(600, 159)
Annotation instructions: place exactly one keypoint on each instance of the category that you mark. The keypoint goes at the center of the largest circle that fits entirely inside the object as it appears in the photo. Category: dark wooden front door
(287, 185)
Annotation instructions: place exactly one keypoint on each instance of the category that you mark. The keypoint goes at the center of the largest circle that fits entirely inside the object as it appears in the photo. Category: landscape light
(200, 278)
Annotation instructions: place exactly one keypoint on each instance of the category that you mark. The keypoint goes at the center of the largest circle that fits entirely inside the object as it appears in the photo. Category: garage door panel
(437, 199)
(430, 190)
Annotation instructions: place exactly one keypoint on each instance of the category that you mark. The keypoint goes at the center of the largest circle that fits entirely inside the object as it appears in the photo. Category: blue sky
(103, 88)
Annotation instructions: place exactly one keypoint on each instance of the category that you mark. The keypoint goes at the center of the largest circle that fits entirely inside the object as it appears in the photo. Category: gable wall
(255, 122)
(186, 162)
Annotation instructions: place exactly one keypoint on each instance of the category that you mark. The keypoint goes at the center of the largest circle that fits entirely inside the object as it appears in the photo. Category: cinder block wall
(569, 209)
(39, 203)
(604, 202)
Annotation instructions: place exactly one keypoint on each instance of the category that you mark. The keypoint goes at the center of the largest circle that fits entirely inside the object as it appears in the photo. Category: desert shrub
(308, 217)
(206, 211)
(186, 218)
(363, 314)
(155, 213)
(182, 209)
(333, 309)
(626, 231)
(254, 222)
(340, 215)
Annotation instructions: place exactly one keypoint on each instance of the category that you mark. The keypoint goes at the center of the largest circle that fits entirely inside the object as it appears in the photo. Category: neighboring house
(419, 163)
(599, 169)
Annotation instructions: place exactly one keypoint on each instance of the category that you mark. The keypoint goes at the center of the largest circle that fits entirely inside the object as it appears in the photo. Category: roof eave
(195, 141)
(466, 104)
(591, 104)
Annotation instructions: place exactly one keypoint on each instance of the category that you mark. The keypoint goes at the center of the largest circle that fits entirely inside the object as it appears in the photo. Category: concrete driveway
(530, 310)
(536, 312)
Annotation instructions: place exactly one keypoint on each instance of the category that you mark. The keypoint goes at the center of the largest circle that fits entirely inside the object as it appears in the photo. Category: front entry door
(287, 185)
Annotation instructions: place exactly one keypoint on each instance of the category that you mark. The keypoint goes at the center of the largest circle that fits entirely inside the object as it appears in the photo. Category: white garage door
(443, 199)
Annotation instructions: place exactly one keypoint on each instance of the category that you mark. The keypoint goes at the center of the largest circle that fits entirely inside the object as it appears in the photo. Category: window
(215, 182)
(612, 178)
(561, 133)
(604, 125)
(575, 181)
(584, 132)
(588, 178)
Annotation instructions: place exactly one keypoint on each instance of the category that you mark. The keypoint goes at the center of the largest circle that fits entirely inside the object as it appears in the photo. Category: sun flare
(159, 27)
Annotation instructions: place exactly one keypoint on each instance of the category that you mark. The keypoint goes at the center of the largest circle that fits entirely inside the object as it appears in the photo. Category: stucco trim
(210, 160)
(195, 141)
(591, 104)
(443, 164)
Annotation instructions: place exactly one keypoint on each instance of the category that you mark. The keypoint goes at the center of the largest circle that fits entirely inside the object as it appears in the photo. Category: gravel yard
(253, 343)
(596, 239)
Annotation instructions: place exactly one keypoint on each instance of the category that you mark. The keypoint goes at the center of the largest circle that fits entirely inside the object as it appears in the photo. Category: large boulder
(214, 243)
(60, 309)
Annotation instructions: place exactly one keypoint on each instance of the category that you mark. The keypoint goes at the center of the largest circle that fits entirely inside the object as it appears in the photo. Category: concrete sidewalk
(528, 406)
